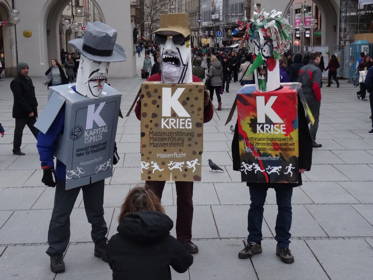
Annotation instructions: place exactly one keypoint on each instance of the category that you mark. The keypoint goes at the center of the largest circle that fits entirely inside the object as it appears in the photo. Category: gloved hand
(48, 177)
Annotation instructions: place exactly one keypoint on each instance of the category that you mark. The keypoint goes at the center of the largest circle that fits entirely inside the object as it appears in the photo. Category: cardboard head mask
(173, 37)
(269, 37)
(97, 49)
(91, 77)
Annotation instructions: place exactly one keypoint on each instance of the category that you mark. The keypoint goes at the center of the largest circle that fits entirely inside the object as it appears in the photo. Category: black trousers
(332, 75)
(18, 131)
(235, 74)
(226, 81)
(218, 91)
(363, 91)
(371, 106)
(59, 227)
(184, 219)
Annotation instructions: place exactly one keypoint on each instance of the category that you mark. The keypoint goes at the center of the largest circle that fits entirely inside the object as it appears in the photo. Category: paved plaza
(333, 211)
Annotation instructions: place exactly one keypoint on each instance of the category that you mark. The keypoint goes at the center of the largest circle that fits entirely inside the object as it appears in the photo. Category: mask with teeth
(91, 77)
(176, 59)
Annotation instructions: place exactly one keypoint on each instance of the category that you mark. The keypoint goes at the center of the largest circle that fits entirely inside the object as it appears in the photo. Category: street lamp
(15, 19)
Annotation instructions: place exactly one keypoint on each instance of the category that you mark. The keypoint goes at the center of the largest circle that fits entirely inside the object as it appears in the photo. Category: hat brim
(173, 31)
(117, 56)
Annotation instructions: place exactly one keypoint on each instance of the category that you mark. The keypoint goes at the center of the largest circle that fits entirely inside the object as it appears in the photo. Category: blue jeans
(284, 215)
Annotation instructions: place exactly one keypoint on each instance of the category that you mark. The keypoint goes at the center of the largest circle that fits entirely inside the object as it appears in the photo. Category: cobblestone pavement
(333, 211)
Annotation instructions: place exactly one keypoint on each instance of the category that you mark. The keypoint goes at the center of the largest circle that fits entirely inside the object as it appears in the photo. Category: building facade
(40, 33)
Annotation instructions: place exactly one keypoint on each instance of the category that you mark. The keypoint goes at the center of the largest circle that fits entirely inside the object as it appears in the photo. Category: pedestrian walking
(2, 130)
(235, 64)
(369, 87)
(310, 78)
(227, 73)
(333, 67)
(144, 232)
(284, 76)
(215, 74)
(147, 66)
(295, 67)
(55, 74)
(69, 66)
(156, 68)
(362, 72)
(25, 106)
(322, 67)
(138, 50)
(198, 70)
(245, 76)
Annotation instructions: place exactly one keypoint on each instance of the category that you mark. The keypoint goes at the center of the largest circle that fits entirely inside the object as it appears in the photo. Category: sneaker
(57, 264)
(316, 145)
(251, 249)
(18, 153)
(100, 250)
(371, 131)
(285, 255)
(191, 247)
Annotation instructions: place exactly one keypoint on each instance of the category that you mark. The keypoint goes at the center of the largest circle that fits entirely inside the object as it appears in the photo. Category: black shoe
(285, 255)
(371, 131)
(328, 86)
(18, 153)
(100, 250)
(57, 264)
(191, 247)
(250, 250)
(316, 145)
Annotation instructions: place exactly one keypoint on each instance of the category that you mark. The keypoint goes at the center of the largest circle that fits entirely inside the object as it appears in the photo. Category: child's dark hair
(140, 199)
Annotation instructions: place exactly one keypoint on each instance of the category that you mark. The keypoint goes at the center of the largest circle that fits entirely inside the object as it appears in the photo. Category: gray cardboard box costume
(87, 144)
(91, 109)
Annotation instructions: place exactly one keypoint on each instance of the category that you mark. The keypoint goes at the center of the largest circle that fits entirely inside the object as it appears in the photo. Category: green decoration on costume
(259, 61)
(262, 83)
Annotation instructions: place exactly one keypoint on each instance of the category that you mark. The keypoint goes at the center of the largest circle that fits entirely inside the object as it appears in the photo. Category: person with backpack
(143, 247)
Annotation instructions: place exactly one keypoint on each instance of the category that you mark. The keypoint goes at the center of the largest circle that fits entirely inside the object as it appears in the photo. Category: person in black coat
(143, 248)
(25, 106)
(227, 73)
(369, 87)
(295, 67)
(258, 192)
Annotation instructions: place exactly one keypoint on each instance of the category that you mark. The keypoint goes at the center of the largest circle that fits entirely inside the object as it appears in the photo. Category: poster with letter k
(268, 136)
(171, 131)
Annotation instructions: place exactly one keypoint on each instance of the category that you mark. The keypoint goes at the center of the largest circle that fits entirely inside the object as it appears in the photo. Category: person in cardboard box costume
(173, 37)
(269, 35)
(78, 127)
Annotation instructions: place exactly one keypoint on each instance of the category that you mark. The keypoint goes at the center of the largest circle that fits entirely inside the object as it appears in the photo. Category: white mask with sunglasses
(176, 58)
(91, 77)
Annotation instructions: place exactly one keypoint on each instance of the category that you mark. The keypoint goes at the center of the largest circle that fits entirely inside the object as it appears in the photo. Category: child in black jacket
(143, 248)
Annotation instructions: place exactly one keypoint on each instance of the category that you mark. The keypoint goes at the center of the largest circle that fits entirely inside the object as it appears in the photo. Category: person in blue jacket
(97, 49)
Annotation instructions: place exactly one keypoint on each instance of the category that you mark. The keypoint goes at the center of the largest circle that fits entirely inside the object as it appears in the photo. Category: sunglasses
(177, 39)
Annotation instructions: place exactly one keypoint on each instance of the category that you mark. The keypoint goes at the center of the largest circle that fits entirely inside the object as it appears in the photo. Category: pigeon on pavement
(214, 167)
